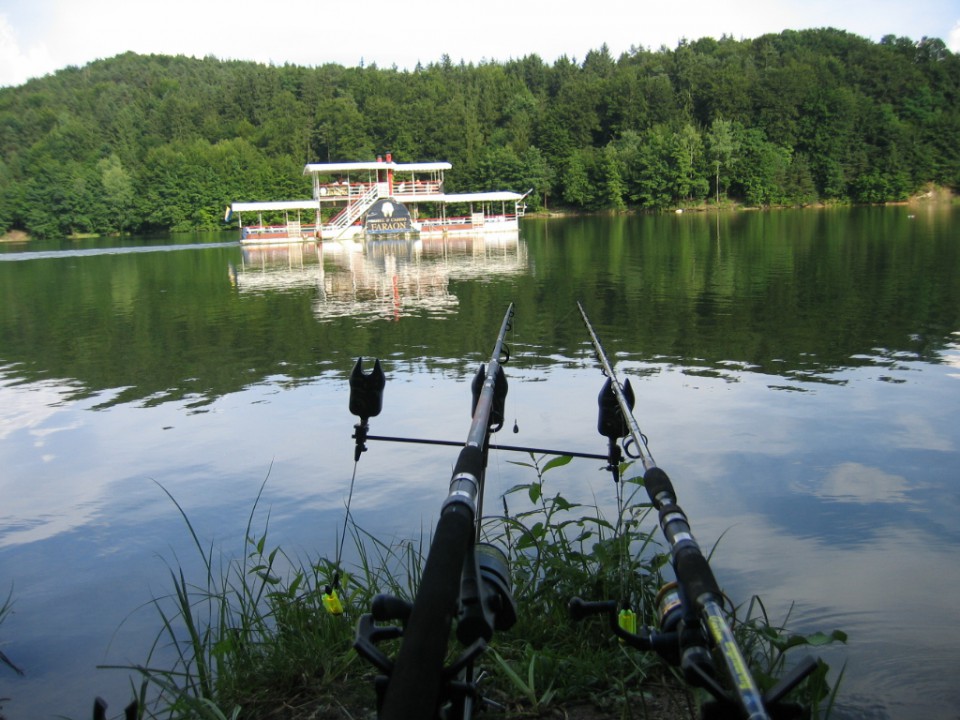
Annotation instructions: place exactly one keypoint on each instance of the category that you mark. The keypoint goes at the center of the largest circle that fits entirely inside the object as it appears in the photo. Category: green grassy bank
(252, 639)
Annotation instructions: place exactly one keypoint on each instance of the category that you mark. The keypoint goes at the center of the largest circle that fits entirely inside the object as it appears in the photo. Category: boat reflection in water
(380, 279)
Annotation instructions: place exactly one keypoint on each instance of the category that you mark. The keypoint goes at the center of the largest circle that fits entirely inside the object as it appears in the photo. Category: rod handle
(694, 573)
(417, 680)
(657, 483)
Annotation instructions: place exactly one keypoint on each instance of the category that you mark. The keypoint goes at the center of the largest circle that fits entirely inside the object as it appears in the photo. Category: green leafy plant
(252, 636)
(766, 644)
(529, 683)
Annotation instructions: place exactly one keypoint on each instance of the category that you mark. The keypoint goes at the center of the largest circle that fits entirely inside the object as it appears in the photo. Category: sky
(39, 37)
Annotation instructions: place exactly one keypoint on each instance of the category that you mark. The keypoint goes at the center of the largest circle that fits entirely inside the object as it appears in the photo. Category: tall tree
(721, 145)
(117, 188)
(687, 154)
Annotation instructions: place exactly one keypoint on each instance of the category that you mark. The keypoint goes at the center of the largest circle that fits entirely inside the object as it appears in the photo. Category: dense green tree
(8, 201)
(611, 186)
(687, 155)
(762, 170)
(495, 168)
(577, 188)
(339, 132)
(117, 190)
(517, 126)
(801, 188)
(144, 142)
(576, 107)
(721, 145)
(646, 167)
(287, 131)
(538, 179)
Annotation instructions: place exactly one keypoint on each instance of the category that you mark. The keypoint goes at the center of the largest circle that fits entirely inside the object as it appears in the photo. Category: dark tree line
(140, 143)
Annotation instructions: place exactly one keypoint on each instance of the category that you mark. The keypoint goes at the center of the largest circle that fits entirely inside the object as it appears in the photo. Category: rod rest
(698, 668)
(384, 608)
(368, 635)
(665, 644)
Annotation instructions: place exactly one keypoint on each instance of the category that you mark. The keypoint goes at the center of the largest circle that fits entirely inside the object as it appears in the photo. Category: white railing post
(353, 210)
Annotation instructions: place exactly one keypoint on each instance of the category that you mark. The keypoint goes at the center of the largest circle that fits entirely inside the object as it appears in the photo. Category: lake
(797, 374)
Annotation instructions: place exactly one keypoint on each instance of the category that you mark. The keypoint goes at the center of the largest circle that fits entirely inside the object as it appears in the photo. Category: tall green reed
(252, 635)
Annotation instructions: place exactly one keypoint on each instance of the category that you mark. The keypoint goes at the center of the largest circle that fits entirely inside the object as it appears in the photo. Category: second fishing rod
(693, 627)
(463, 579)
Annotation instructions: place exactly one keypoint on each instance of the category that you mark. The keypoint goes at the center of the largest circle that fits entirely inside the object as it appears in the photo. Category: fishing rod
(462, 578)
(692, 624)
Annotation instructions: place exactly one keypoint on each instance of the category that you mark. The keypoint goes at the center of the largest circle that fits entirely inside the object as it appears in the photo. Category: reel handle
(579, 609)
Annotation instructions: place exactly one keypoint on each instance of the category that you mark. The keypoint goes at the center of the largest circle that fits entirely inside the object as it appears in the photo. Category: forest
(155, 143)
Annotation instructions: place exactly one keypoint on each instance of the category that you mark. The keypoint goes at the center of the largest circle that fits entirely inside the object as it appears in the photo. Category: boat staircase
(294, 229)
(352, 212)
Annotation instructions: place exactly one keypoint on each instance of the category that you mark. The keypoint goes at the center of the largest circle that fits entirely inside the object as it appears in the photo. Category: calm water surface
(797, 373)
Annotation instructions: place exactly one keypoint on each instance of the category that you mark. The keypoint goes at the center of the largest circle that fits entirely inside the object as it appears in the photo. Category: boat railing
(403, 188)
(416, 188)
(342, 190)
(467, 220)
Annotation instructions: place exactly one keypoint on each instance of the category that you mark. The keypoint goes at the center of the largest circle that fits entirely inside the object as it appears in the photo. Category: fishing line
(366, 401)
(331, 601)
(343, 534)
(513, 405)
(617, 423)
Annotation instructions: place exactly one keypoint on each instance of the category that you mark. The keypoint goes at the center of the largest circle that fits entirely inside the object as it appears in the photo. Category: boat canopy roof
(347, 167)
(276, 205)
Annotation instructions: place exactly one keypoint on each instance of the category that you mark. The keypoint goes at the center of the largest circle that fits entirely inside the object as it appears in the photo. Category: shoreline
(932, 195)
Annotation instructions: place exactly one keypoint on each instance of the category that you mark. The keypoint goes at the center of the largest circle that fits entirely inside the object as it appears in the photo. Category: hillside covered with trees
(150, 143)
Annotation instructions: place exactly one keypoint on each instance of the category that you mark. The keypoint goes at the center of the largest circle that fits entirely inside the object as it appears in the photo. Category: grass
(6, 607)
(251, 637)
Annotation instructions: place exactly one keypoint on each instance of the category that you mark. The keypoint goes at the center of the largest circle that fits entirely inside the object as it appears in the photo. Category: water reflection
(857, 483)
(380, 279)
(112, 249)
(264, 268)
(796, 374)
(951, 354)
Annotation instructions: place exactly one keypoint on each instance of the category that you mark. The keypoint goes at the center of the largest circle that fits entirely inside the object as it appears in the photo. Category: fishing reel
(486, 595)
(664, 640)
(486, 605)
(681, 641)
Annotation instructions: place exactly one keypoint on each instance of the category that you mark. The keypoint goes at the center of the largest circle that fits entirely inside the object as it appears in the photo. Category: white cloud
(951, 355)
(27, 407)
(18, 63)
(953, 40)
(856, 483)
